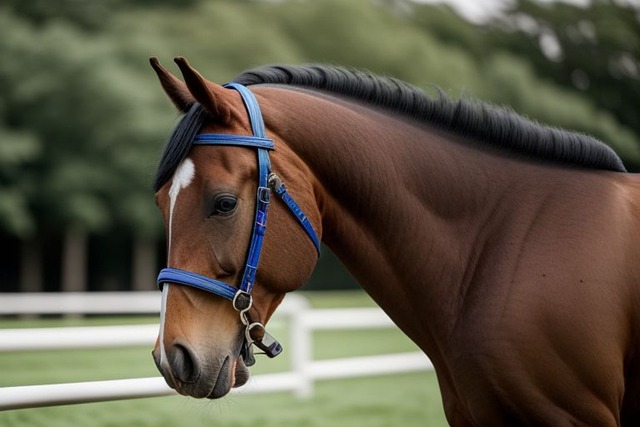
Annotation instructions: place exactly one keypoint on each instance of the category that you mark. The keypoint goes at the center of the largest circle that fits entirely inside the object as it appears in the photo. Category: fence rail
(36, 339)
(36, 396)
(80, 303)
(303, 321)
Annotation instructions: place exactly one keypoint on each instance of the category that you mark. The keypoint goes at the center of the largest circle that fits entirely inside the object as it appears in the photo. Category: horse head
(212, 197)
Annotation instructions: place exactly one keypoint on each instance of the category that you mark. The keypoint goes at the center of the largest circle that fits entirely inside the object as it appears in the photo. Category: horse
(507, 250)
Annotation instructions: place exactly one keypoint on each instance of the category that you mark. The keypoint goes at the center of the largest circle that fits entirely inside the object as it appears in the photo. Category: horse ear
(173, 87)
(210, 95)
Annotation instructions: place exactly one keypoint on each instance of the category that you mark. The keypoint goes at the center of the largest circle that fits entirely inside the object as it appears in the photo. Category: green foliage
(87, 117)
(17, 150)
(82, 118)
(88, 15)
(509, 83)
(592, 51)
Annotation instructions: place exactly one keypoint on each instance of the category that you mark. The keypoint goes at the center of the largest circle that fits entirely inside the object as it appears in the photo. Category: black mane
(494, 126)
(489, 124)
(179, 144)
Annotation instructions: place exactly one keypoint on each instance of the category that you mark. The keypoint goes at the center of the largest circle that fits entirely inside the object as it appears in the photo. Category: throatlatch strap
(281, 190)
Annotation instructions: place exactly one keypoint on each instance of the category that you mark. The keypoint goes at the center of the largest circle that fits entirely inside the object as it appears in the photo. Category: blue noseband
(267, 181)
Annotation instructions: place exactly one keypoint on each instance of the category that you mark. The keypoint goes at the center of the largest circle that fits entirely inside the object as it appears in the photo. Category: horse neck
(402, 207)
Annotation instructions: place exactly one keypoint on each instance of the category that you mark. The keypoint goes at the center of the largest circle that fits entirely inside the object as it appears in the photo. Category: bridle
(240, 296)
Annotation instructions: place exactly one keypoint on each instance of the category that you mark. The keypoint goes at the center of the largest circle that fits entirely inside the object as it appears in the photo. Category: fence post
(301, 345)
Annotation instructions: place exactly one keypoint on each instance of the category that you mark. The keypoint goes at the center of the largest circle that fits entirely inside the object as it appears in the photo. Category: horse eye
(224, 205)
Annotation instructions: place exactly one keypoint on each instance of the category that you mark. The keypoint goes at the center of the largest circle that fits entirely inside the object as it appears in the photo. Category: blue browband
(267, 181)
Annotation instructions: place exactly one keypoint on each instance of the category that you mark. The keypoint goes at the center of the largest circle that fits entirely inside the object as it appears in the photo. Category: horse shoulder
(559, 324)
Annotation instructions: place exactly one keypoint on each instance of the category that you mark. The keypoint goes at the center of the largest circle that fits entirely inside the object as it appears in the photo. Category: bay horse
(506, 250)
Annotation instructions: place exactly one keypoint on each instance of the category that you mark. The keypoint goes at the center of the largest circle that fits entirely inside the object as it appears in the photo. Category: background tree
(82, 119)
(593, 50)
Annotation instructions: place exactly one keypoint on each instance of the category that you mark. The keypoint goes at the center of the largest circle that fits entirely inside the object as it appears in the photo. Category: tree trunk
(31, 266)
(144, 268)
(74, 261)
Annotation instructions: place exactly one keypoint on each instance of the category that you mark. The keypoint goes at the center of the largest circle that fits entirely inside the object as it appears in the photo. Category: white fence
(80, 303)
(303, 321)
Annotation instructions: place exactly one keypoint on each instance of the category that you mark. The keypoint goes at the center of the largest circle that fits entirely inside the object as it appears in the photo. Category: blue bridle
(267, 181)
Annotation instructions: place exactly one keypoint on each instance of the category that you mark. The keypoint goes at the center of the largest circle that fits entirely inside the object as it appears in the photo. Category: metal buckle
(264, 195)
(264, 341)
(242, 302)
(274, 181)
(254, 333)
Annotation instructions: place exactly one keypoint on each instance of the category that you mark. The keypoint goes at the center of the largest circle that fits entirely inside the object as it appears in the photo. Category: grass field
(407, 400)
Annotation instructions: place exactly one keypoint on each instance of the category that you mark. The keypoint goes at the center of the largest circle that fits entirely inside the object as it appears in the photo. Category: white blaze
(181, 179)
(165, 294)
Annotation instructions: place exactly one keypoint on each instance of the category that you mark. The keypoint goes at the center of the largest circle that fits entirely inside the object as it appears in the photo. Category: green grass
(407, 400)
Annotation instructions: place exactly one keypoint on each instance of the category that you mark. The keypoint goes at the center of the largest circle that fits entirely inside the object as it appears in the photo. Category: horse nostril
(184, 364)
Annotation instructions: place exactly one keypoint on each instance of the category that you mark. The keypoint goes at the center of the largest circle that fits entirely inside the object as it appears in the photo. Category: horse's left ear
(173, 87)
(210, 95)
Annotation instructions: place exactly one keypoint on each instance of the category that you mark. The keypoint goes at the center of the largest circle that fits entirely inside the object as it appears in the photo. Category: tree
(82, 119)
(592, 49)
(79, 115)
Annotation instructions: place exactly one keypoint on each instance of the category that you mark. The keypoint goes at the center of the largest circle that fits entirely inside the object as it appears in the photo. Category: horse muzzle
(190, 374)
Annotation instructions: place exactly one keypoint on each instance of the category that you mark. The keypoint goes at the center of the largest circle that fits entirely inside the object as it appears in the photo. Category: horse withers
(505, 249)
